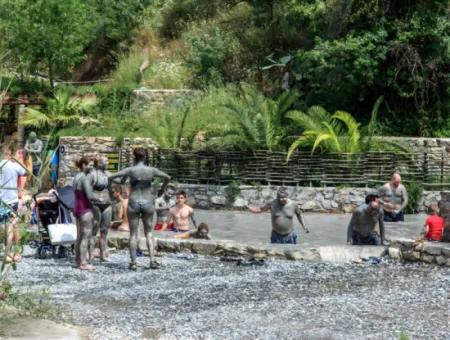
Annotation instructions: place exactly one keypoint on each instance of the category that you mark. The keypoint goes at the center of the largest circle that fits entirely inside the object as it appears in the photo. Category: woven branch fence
(303, 169)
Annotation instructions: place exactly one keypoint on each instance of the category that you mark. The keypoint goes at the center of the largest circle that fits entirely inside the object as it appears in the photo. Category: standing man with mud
(362, 227)
(282, 212)
(394, 197)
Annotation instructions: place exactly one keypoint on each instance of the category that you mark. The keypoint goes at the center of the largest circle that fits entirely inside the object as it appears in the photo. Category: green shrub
(232, 191)
(414, 190)
(209, 52)
(166, 75)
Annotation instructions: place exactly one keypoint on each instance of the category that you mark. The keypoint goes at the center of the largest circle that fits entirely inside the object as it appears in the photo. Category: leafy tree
(46, 33)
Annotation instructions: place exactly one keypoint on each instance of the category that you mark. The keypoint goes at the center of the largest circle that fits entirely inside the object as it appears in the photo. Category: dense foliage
(339, 55)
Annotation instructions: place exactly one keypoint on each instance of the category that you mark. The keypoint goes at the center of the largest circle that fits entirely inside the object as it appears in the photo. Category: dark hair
(203, 226)
(433, 209)
(371, 197)
(181, 193)
(82, 161)
(140, 154)
(283, 192)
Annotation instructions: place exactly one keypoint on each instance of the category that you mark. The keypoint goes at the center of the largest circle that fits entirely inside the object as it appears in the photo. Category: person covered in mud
(394, 197)
(83, 211)
(362, 227)
(163, 204)
(282, 212)
(34, 146)
(202, 232)
(102, 209)
(140, 202)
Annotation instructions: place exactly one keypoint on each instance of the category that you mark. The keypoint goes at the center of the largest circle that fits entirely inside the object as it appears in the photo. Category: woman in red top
(434, 224)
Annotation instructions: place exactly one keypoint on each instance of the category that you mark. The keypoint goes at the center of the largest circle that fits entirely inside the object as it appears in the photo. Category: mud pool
(204, 298)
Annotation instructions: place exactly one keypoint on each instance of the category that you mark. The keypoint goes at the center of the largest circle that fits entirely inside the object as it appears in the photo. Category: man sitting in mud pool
(361, 229)
(282, 211)
(163, 204)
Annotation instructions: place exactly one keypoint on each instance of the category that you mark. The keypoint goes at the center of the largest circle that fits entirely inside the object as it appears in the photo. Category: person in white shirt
(10, 171)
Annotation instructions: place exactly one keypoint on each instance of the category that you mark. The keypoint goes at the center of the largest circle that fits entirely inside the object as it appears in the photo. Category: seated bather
(202, 232)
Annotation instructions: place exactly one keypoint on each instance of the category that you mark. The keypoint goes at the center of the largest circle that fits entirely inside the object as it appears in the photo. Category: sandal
(132, 266)
(154, 265)
(86, 267)
(17, 258)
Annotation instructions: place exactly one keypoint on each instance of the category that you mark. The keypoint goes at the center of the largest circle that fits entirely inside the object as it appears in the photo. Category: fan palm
(255, 121)
(62, 110)
(338, 132)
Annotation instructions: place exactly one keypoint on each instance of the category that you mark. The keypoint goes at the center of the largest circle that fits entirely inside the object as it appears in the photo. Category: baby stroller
(56, 230)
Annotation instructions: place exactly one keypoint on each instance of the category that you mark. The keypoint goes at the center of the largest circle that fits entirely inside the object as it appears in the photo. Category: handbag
(62, 233)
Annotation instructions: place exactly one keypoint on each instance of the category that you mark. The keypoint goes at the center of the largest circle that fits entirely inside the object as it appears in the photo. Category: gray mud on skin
(197, 297)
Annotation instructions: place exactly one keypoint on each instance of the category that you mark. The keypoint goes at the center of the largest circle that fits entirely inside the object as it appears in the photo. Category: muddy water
(326, 229)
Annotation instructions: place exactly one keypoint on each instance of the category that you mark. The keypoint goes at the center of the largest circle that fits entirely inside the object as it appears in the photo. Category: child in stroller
(53, 208)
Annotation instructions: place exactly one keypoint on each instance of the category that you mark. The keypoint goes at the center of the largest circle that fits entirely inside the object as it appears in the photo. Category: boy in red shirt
(434, 224)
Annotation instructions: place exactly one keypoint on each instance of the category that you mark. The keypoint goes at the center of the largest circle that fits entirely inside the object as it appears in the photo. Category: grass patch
(32, 303)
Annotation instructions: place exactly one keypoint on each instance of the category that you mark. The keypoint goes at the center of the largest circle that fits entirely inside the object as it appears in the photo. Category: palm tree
(338, 132)
(255, 121)
(62, 110)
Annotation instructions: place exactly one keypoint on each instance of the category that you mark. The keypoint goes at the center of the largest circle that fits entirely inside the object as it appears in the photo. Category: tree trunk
(50, 75)
(20, 127)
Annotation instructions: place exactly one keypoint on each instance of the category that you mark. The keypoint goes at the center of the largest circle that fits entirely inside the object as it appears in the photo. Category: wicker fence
(266, 167)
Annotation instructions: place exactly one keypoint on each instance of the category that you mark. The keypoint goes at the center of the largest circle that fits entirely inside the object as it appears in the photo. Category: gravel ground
(204, 298)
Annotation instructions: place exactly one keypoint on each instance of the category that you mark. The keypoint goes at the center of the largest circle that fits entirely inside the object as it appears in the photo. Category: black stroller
(53, 213)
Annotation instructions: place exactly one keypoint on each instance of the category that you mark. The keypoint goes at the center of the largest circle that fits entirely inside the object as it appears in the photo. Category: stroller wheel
(43, 252)
(62, 252)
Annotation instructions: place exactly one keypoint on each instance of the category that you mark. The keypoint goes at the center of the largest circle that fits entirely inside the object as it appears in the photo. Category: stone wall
(119, 153)
(143, 99)
(420, 251)
(328, 199)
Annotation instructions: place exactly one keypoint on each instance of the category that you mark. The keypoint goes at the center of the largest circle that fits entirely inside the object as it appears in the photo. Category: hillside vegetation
(336, 54)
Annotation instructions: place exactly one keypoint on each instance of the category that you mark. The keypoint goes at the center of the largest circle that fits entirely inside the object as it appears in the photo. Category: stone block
(446, 250)
(204, 247)
(348, 208)
(310, 205)
(327, 204)
(297, 255)
(432, 248)
(219, 200)
(441, 260)
(410, 255)
(168, 245)
(394, 253)
(349, 253)
(203, 204)
(427, 258)
(239, 202)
